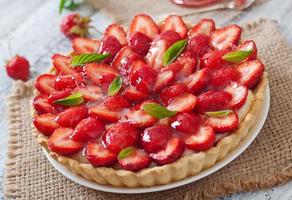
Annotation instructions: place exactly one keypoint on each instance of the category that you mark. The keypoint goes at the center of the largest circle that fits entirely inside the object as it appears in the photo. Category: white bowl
(218, 165)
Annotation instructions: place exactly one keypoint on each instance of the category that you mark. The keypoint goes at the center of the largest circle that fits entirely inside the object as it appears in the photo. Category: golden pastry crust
(184, 167)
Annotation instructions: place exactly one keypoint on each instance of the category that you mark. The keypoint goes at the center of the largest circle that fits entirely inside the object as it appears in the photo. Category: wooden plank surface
(32, 27)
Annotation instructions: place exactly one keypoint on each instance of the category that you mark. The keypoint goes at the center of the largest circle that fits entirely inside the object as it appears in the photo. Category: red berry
(18, 68)
(59, 95)
(199, 45)
(109, 44)
(224, 124)
(72, 116)
(116, 101)
(69, 81)
(45, 123)
(119, 136)
(101, 112)
(74, 25)
(226, 37)
(135, 161)
(183, 103)
(224, 76)
(85, 45)
(169, 93)
(198, 81)
(205, 26)
(213, 59)
(45, 84)
(118, 32)
(41, 105)
(140, 43)
(170, 36)
(140, 118)
(186, 122)
(174, 23)
(144, 24)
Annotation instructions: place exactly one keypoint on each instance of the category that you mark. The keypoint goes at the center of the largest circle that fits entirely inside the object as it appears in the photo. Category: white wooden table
(33, 28)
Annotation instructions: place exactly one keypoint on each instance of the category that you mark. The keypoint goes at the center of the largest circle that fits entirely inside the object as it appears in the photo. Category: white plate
(231, 156)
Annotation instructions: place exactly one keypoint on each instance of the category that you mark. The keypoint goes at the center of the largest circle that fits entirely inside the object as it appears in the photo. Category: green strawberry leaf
(115, 86)
(72, 100)
(220, 113)
(237, 56)
(125, 152)
(157, 111)
(173, 52)
(87, 58)
(68, 4)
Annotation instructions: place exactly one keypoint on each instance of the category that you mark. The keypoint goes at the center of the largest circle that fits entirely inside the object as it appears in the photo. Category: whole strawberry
(18, 68)
(74, 25)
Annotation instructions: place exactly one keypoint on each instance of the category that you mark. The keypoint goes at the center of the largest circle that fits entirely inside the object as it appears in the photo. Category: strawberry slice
(63, 64)
(41, 105)
(251, 72)
(133, 95)
(111, 45)
(171, 152)
(87, 129)
(72, 116)
(202, 140)
(143, 78)
(199, 45)
(197, 81)
(100, 73)
(205, 26)
(163, 79)
(174, 23)
(183, 103)
(169, 93)
(188, 64)
(155, 54)
(61, 143)
(45, 123)
(90, 93)
(140, 118)
(119, 136)
(213, 59)
(140, 43)
(144, 24)
(116, 101)
(122, 57)
(239, 95)
(69, 81)
(99, 156)
(213, 101)
(224, 124)
(155, 138)
(248, 45)
(186, 122)
(45, 84)
(223, 76)
(226, 38)
(170, 36)
(59, 95)
(135, 161)
(85, 45)
(101, 112)
(118, 32)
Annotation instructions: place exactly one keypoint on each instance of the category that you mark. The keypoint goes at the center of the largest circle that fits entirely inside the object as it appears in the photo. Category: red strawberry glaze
(197, 81)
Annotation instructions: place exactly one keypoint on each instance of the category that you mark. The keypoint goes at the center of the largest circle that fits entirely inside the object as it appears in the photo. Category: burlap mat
(266, 163)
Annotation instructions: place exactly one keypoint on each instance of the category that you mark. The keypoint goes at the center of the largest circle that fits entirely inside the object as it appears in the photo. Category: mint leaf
(115, 86)
(72, 100)
(125, 152)
(220, 113)
(68, 4)
(157, 111)
(88, 58)
(236, 56)
(173, 52)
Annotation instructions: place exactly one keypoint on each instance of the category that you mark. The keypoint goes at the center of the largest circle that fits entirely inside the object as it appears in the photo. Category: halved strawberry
(213, 101)
(118, 32)
(144, 24)
(171, 152)
(226, 38)
(186, 122)
(72, 116)
(188, 64)
(41, 105)
(87, 129)
(224, 124)
(90, 92)
(199, 45)
(61, 143)
(197, 81)
(169, 93)
(248, 45)
(133, 95)
(63, 64)
(111, 45)
(45, 84)
(59, 95)
(213, 59)
(122, 56)
(170, 36)
(135, 161)
(183, 103)
(119, 136)
(163, 79)
(251, 72)
(174, 23)
(69, 81)
(116, 101)
(99, 156)
(223, 76)
(100, 73)
(204, 26)
(101, 112)
(202, 140)
(45, 123)
(239, 95)
(140, 43)
(155, 138)
(85, 45)
(140, 118)
(156, 51)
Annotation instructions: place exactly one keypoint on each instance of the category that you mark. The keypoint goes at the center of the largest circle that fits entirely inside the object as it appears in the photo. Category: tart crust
(186, 166)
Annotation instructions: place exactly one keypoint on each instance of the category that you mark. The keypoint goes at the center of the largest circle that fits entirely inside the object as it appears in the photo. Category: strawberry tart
(150, 104)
